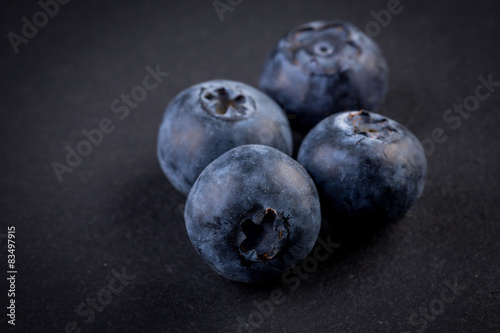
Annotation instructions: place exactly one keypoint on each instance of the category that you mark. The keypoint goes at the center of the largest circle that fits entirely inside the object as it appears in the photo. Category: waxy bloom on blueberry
(323, 67)
(253, 213)
(210, 118)
(368, 168)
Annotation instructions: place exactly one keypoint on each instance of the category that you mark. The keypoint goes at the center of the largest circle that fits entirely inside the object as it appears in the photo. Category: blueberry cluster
(252, 211)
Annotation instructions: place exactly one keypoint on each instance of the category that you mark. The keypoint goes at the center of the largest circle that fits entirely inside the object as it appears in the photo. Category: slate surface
(116, 213)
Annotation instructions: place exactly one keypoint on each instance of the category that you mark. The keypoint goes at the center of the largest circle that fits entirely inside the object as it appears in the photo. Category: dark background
(117, 211)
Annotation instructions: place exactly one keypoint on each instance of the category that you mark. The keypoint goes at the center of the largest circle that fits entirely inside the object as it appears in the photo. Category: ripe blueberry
(253, 213)
(368, 168)
(208, 119)
(322, 67)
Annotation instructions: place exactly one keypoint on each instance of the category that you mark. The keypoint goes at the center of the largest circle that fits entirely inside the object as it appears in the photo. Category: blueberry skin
(323, 67)
(368, 169)
(253, 213)
(208, 119)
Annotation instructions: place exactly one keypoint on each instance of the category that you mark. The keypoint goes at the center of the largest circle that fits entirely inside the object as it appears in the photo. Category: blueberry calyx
(373, 126)
(263, 235)
(224, 103)
(324, 48)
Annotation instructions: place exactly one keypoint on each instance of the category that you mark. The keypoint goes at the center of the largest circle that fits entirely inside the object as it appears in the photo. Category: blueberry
(368, 169)
(253, 213)
(208, 119)
(322, 67)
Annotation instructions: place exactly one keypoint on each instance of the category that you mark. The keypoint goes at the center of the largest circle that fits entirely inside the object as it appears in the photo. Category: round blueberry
(253, 213)
(320, 68)
(368, 168)
(210, 118)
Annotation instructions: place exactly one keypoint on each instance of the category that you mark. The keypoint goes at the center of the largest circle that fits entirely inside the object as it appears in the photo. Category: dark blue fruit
(324, 67)
(210, 118)
(368, 168)
(253, 213)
